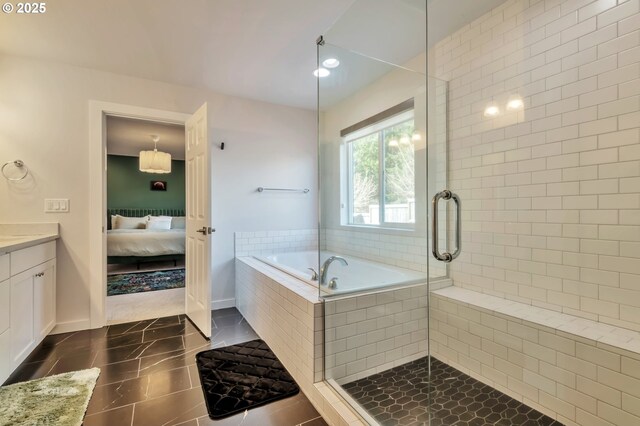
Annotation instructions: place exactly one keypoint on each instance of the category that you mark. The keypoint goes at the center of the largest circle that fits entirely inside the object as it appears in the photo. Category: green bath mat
(59, 400)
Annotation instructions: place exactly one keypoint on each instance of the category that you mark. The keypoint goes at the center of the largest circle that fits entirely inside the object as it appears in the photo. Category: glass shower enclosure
(380, 165)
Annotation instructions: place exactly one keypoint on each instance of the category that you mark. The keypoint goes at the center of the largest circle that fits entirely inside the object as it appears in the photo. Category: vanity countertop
(16, 236)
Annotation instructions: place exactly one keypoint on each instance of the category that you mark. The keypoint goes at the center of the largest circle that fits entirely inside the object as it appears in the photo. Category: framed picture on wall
(158, 185)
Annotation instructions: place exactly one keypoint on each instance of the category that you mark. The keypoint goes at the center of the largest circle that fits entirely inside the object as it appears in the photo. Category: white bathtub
(359, 275)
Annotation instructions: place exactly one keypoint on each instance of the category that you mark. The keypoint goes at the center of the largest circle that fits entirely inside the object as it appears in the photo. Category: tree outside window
(382, 176)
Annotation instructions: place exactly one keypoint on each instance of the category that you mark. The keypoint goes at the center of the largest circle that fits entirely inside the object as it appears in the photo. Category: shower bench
(573, 369)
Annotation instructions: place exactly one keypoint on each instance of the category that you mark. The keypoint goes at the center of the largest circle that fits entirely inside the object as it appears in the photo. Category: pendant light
(155, 161)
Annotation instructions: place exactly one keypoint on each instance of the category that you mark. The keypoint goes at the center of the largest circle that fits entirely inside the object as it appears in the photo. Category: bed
(127, 246)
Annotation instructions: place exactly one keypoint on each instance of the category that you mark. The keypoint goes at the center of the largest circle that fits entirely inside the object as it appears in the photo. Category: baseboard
(70, 326)
(224, 303)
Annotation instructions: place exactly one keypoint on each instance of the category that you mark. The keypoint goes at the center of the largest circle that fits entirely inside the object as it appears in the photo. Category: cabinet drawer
(5, 271)
(21, 260)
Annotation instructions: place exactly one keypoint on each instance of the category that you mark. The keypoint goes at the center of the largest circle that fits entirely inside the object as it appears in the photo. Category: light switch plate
(56, 205)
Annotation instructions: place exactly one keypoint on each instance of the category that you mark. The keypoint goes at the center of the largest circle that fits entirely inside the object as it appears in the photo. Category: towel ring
(19, 164)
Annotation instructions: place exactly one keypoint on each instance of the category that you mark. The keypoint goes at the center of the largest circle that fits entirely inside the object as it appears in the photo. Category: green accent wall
(128, 187)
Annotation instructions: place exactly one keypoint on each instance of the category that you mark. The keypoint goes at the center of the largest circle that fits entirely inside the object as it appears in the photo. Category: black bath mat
(243, 376)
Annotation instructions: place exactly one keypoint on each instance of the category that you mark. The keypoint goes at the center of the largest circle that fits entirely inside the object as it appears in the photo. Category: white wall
(551, 194)
(44, 121)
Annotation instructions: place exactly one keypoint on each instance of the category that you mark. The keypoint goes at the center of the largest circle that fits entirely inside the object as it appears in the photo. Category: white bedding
(145, 242)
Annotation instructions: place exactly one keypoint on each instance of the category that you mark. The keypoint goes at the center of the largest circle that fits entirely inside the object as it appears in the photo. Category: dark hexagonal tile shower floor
(400, 396)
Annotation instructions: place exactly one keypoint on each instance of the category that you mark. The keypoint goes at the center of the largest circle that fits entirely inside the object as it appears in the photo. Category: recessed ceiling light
(393, 143)
(321, 72)
(416, 137)
(331, 63)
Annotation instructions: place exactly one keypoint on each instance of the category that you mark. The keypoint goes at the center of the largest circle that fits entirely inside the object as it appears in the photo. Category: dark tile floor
(148, 374)
(403, 396)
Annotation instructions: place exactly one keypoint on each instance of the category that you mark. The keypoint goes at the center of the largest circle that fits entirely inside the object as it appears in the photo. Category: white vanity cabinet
(27, 302)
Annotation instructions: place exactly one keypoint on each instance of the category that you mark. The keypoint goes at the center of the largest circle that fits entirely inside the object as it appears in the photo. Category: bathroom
(444, 229)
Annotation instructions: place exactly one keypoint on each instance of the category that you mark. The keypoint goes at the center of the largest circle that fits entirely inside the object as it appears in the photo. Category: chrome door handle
(446, 256)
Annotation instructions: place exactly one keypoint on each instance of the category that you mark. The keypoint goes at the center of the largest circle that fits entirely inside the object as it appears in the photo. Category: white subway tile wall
(404, 251)
(551, 193)
(259, 243)
(370, 333)
(577, 371)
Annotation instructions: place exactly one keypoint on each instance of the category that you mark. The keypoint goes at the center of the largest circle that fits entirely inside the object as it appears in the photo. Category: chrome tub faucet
(325, 267)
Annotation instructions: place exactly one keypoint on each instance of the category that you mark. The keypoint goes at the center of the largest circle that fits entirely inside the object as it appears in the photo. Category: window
(381, 173)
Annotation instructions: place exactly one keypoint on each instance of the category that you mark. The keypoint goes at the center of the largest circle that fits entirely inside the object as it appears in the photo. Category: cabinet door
(22, 336)
(6, 366)
(5, 334)
(5, 305)
(44, 299)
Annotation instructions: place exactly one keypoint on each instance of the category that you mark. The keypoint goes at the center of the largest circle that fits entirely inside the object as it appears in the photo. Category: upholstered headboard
(142, 212)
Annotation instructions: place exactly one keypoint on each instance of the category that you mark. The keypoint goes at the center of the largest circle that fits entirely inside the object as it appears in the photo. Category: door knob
(206, 230)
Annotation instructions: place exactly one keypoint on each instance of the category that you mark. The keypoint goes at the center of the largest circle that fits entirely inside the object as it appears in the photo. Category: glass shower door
(374, 165)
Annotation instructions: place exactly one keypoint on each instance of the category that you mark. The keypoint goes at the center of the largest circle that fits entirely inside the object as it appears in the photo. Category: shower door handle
(446, 256)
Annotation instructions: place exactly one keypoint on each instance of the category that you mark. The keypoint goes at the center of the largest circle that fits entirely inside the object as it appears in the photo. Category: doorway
(145, 219)
(197, 300)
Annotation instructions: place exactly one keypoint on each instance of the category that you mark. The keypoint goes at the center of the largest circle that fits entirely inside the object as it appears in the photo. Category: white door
(198, 240)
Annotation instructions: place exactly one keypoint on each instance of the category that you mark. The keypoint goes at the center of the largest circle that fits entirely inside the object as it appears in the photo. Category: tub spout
(325, 267)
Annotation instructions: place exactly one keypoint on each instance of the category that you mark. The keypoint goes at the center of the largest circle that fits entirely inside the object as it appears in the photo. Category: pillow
(122, 222)
(179, 222)
(159, 222)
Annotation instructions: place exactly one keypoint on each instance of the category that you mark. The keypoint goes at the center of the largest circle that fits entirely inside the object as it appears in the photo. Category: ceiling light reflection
(330, 63)
(321, 72)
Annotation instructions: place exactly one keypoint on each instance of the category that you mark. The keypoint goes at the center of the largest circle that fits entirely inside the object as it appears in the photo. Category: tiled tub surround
(577, 371)
(410, 251)
(370, 333)
(404, 249)
(551, 194)
(287, 314)
(260, 243)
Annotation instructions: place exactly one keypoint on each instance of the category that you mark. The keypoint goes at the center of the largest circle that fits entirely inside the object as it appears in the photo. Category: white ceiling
(126, 136)
(448, 16)
(258, 49)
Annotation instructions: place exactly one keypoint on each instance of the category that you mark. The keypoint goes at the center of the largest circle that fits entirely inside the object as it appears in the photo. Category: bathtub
(359, 275)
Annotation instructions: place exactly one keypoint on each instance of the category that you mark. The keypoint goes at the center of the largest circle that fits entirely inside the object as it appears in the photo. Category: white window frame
(378, 127)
